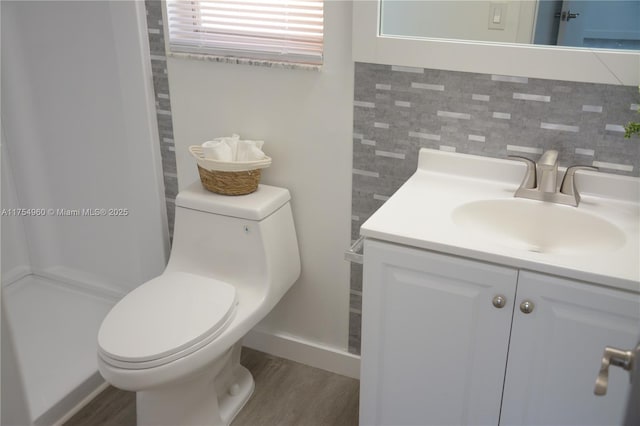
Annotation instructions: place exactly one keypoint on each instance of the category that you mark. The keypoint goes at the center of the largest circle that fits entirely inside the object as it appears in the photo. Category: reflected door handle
(571, 16)
(566, 16)
(616, 357)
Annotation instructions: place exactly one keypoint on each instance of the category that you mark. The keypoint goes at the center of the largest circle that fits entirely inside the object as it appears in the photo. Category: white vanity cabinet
(434, 347)
(440, 347)
(555, 352)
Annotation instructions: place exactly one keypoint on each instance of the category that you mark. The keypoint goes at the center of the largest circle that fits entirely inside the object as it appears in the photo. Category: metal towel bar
(353, 255)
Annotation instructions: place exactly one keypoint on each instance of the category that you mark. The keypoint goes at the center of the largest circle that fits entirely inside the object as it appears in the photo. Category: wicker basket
(228, 178)
(230, 183)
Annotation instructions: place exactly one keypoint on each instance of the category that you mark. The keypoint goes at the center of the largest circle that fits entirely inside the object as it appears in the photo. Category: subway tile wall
(398, 110)
(163, 106)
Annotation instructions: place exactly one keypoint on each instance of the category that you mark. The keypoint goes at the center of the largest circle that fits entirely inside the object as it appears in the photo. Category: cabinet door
(434, 347)
(555, 353)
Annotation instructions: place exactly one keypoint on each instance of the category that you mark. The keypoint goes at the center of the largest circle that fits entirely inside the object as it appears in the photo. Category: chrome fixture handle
(527, 307)
(616, 357)
(529, 181)
(499, 301)
(568, 185)
(353, 255)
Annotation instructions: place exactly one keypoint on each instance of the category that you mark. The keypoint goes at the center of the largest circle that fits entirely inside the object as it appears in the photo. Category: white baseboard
(80, 405)
(304, 352)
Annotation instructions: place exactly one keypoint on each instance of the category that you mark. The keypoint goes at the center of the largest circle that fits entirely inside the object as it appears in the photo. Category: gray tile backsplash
(163, 105)
(398, 110)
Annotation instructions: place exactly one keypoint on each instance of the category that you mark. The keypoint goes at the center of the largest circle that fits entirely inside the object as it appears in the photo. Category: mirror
(608, 24)
(583, 64)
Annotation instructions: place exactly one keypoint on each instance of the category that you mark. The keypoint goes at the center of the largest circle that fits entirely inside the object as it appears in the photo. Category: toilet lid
(166, 318)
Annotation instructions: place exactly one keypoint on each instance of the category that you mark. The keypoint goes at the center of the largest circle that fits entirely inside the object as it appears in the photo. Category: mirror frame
(567, 63)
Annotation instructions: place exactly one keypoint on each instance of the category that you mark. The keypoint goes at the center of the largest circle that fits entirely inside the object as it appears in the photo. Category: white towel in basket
(249, 151)
(233, 149)
(221, 149)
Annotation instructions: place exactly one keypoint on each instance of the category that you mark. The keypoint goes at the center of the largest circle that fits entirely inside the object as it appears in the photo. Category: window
(279, 30)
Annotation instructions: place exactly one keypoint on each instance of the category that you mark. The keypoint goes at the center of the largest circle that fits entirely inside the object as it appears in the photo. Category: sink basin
(538, 226)
(463, 205)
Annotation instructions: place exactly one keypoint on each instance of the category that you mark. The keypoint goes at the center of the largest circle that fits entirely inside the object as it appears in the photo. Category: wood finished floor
(287, 394)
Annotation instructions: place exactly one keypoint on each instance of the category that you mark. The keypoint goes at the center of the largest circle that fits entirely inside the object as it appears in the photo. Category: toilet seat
(165, 319)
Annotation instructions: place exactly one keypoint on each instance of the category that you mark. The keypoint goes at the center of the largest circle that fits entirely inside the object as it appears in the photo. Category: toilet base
(213, 396)
(230, 405)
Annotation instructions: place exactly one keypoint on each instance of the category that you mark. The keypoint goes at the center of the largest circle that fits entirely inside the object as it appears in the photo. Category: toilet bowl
(176, 339)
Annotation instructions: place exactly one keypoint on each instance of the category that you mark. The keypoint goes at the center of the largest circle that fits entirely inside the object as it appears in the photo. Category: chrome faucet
(540, 180)
(548, 169)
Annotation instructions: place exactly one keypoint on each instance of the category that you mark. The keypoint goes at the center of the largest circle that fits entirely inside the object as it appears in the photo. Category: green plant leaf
(632, 128)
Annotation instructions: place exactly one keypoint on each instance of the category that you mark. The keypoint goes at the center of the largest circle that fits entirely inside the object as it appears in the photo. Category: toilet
(176, 339)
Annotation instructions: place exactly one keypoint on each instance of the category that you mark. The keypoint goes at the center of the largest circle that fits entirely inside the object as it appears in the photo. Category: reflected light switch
(497, 15)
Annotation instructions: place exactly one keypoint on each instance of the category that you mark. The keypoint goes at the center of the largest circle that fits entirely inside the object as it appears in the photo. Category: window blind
(283, 30)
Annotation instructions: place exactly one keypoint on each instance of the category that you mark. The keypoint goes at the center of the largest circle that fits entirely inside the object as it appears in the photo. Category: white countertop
(419, 215)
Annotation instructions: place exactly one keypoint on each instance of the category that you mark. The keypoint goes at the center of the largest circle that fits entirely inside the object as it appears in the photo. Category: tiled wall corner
(398, 110)
(355, 304)
(163, 105)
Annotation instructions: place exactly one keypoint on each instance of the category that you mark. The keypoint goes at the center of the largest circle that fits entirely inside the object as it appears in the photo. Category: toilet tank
(246, 240)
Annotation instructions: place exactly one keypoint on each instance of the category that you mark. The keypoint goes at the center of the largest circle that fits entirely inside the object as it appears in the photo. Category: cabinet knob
(499, 301)
(527, 307)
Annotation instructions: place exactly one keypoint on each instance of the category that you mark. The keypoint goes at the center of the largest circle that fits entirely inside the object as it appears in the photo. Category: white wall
(15, 253)
(79, 125)
(305, 117)
(464, 20)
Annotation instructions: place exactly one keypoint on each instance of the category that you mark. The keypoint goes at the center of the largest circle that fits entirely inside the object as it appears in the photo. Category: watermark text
(64, 212)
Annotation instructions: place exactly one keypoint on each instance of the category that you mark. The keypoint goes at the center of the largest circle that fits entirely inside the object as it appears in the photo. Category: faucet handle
(529, 181)
(568, 185)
